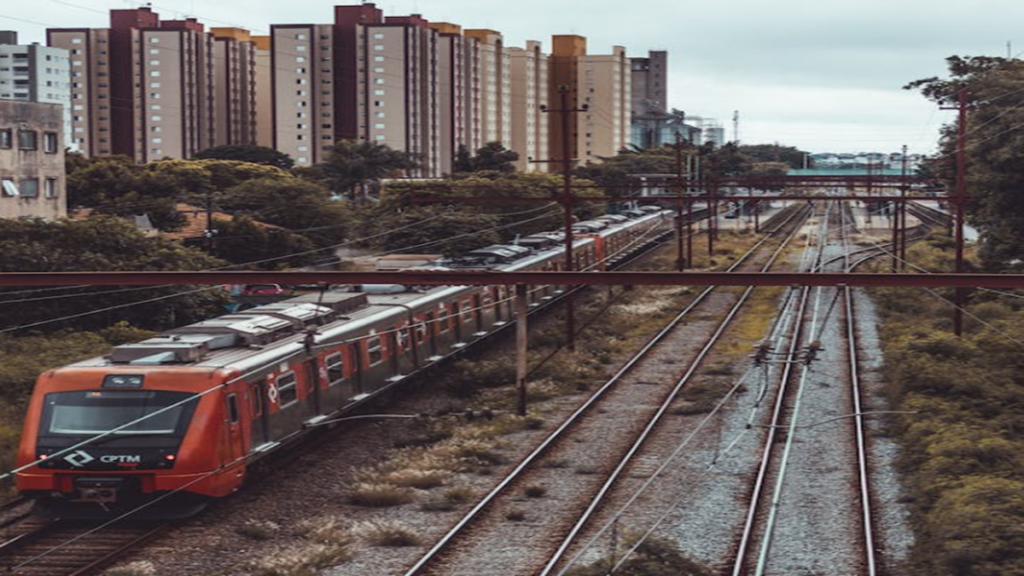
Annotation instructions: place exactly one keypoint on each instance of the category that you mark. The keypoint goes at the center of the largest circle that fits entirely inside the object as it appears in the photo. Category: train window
(421, 332)
(374, 350)
(135, 412)
(233, 408)
(466, 311)
(335, 364)
(287, 389)
(404, 337)
(442, 320)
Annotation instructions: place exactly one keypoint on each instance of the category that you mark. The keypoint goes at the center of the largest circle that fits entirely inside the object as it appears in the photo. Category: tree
(995, 150)
(292, 203)
(492, 156)
(247, 153)
(116, 185)
(244, 241)
(351, 165)
(99, 244)
(790, 155)
(516, 218)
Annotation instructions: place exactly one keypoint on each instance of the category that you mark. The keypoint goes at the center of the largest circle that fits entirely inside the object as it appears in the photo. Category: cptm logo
(79, 458)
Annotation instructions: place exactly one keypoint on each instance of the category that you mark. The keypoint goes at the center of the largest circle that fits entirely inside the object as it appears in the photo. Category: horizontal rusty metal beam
(477, 277)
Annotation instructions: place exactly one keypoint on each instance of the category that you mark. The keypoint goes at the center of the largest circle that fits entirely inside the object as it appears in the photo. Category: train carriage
(187, 413)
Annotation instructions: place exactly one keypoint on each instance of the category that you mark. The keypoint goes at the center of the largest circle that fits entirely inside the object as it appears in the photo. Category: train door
(314, 378)
(479, 311)
(340, 378)
(426, 334)
(358, 367)
(394, 355)
(233, 413)
(260, 428)
(457, 322)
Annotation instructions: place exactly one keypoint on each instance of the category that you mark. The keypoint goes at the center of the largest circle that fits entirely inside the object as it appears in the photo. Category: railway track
(60, 548)
(504, 530)
(786, 523)
(37, 547)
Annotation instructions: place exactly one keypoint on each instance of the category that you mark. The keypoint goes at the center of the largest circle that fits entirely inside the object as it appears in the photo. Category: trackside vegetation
(962, 456)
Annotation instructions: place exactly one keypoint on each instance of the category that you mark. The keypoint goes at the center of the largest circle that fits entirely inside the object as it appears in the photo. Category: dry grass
(308, 560)
(386, 533)
(139, 568)
(325, 531)
(374, 495)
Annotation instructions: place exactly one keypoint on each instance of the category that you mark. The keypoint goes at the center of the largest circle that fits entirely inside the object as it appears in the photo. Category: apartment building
(605, 86)
(234, 101)
(264, 88)
(150, 88)
(366, 77)
(35, 73)
(529, 93)
(32, 181)
(602, 84)
(457, 98)
(304, 81)
(495, 78)
(402, 88)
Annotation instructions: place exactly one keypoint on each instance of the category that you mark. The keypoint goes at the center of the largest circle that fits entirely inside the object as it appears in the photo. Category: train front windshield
(91, 412)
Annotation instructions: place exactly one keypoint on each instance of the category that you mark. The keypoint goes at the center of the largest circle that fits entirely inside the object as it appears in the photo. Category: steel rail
(867, 522)
(434, 552)
(627, 457)
(774, 428)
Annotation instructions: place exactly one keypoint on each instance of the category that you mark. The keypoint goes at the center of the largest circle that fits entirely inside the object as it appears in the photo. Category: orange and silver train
(165, 424)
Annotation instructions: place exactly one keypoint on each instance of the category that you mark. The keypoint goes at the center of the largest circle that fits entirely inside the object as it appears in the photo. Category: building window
(378, 80)
(154, 73)
(50, 142)
(6, 138)
(378, 126)
(28, 140)
(378, 47)
(50, 188)
(378, 92)
(10, 188)
(29, 187)
(378, 58)
(156, 118)
(378, 36)
(76, 40)
(154, 40)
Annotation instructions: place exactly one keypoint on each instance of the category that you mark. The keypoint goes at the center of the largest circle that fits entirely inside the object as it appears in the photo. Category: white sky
(820, 75)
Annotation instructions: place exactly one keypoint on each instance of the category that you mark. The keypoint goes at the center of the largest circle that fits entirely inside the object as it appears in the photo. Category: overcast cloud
(820, 75)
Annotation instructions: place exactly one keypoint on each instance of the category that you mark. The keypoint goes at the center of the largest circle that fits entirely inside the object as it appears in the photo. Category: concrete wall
(32, 151)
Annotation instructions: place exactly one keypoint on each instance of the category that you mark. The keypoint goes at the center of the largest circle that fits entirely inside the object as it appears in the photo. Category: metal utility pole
(522, 311)
(736, 127)
(959, 199)
(903, 213)
(681, 261)
(567, 199)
